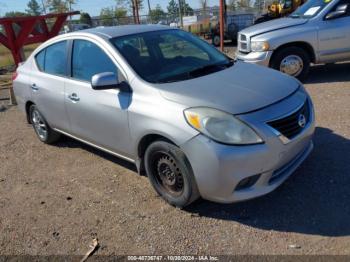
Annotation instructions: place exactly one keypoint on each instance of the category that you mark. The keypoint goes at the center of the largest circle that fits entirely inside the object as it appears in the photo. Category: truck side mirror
(340, 11)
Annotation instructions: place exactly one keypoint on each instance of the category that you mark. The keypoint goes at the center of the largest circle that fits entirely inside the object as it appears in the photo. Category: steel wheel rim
(167, 174)
(39, 125)
(292, 65)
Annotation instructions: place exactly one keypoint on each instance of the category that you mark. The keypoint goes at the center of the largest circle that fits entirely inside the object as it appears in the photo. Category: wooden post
(12, 96)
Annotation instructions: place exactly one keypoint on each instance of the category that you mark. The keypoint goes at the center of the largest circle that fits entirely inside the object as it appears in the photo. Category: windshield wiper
(196, 72)
(210, 68)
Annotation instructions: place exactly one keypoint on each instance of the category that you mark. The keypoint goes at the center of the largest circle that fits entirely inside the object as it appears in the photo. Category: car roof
(116, 31)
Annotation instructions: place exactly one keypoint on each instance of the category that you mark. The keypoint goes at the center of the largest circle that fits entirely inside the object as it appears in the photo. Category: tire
(294, 54)
(42, 129)
(216, 40)
(170, 174)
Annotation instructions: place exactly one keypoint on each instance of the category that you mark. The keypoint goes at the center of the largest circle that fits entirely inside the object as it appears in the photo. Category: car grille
(293, 124)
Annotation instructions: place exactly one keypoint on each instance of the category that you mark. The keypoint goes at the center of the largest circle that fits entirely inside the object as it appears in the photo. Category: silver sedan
(192, 120)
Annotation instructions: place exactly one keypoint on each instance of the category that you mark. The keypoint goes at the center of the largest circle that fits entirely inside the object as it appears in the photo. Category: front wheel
(216, 40)
(293, 61)
(170, 174)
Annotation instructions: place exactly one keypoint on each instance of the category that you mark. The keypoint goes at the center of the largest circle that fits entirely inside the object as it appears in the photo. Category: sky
(93, 7)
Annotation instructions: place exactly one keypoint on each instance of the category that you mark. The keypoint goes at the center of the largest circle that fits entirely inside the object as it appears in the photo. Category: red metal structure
(222, 23)
(21, 31)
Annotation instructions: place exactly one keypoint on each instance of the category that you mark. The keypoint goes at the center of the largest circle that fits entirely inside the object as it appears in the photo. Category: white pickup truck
(317, 32)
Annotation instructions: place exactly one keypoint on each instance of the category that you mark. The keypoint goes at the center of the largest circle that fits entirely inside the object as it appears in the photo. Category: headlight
(259, 46)
(220, 126)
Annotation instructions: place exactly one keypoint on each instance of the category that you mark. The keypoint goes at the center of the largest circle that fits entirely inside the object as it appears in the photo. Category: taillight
(14, 76)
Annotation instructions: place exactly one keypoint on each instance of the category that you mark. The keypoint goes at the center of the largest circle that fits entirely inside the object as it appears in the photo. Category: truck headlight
(221, 127)
(259, 46)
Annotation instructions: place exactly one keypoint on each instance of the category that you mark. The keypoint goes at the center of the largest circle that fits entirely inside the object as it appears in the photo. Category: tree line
(128, 8)
(34, 7)
(125, 8)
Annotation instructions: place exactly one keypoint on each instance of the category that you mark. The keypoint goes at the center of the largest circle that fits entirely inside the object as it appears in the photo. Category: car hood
(273, 25)
(239, 89)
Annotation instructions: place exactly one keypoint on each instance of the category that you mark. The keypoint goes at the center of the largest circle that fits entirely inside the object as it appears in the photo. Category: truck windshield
(170, 55)
(310, 9)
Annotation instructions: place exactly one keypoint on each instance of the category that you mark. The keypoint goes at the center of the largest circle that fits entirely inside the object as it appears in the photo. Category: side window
(343, 2)
(56, 59)
(40, 60)
(88, 59)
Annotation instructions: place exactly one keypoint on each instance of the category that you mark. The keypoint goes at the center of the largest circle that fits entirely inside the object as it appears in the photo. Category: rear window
(53, 59)
(40, 60)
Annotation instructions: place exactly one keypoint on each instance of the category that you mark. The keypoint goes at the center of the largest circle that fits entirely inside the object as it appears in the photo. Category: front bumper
(219, 168)
(259, 58)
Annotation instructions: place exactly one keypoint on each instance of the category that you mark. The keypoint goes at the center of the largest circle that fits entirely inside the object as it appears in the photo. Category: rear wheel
(44, 132)
(170, 174)
(293, 61)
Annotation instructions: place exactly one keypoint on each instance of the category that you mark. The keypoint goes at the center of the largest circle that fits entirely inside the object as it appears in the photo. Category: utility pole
(44, 7)
(137, 11)
(180, 14)
(149, 7)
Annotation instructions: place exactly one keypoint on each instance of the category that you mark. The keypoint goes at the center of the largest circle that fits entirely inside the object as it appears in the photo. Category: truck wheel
(170, 174)
(216, 40)
(44, 132)
(293, 61)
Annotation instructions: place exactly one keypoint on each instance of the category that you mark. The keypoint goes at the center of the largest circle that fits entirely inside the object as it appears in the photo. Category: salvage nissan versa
(192, 120)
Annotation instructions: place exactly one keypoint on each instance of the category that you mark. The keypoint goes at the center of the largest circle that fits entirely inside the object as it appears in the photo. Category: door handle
(34, 87)
(74, 97)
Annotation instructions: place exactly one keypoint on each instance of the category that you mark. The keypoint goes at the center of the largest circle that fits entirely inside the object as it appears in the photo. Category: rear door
(334, 37)
(47, 84)
(96, 116)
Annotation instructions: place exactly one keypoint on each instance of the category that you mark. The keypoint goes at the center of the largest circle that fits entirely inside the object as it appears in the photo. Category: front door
(334, 37)
(96, 116)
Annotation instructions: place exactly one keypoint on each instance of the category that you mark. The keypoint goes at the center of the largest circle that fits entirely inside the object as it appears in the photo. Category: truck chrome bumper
(259, 58)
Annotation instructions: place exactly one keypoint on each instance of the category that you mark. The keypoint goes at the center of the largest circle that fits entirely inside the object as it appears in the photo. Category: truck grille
(243, 45)
(293, 124)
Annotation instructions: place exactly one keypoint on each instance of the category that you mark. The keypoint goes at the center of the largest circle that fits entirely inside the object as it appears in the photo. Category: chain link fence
(201, 22)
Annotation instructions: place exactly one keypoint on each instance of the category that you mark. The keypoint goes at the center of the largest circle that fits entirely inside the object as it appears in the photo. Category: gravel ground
(55, 199)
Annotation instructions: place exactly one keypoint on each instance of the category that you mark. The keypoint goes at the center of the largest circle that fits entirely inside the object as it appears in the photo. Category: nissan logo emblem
(302, 120)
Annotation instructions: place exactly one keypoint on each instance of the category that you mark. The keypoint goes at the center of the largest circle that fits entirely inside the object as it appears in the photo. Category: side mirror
(103, 81)
(109, 80)
(340, 11)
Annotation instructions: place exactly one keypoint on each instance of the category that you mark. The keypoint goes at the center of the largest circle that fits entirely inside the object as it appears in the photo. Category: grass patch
(6, 56)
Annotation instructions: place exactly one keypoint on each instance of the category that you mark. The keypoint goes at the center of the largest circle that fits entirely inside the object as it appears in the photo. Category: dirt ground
(55, 199)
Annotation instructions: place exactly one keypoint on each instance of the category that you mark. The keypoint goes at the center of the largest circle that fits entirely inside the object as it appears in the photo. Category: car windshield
(170, 55)
(310, 9)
